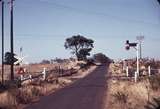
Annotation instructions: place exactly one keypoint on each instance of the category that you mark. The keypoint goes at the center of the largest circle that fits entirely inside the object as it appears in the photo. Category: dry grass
(13, 98)
(17, 98)
(124, 94)
(7, 101)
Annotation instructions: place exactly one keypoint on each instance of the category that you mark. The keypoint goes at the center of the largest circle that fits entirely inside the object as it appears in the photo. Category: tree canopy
(102, 58)
(80, 46)
(8, 58)
(158, 1)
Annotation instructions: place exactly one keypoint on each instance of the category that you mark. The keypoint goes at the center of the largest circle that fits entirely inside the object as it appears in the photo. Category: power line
(118, 18)
(27, 36)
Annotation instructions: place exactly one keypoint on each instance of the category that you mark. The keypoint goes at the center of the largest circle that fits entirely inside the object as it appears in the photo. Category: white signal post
(137, 50)
(136, 46)
(137, 72)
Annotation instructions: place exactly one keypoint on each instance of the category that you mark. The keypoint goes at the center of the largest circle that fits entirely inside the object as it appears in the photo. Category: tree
(8, 60)
(80, 46)
(45, 61)
(158, 1)
(102, 58)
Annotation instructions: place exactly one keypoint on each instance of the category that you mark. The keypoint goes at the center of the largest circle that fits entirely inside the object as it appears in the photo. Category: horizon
(41, 27)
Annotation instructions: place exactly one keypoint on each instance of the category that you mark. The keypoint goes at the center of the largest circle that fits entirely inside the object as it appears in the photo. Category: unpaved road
(86, 93)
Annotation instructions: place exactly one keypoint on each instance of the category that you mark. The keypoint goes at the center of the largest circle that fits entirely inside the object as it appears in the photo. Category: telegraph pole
(11, 40)
(140, 39)
(2, 3)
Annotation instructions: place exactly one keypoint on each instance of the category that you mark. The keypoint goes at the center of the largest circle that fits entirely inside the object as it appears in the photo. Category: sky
(41, 26)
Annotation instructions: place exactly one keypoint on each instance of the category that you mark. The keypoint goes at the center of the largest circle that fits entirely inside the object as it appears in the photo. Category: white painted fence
(149, 70)
(30, 77)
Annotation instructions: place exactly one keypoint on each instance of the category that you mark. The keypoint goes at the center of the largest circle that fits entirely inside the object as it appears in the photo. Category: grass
(12, 98)
(126, 94)
(155, 82)
(155, 104)
(15, 97)
(120, 97)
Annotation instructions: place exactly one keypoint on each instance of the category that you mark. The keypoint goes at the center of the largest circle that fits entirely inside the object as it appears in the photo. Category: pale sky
(41, 26)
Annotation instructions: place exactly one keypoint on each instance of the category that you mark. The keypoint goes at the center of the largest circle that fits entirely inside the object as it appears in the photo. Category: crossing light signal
(128, 45)
(127, 41)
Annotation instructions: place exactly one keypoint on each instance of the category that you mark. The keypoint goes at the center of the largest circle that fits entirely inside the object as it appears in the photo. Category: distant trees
(44, 61)
(102, 58)
(80, 46)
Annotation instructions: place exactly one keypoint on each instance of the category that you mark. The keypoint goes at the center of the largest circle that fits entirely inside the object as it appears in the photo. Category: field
(124, 93)
(13, 97)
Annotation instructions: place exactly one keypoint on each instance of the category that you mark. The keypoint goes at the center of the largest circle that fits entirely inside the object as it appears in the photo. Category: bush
(102, 58)
(12, 84)
(155, 104)
(81, 65)
(8, 101)
(155, 82)
(36, 92)
(120, 97)
(23, 97)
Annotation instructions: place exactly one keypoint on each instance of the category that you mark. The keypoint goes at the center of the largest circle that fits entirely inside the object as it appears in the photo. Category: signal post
(136, 47)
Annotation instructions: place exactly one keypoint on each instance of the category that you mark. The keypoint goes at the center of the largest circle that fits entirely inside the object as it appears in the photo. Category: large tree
(158, 1)
(80, 46)
(8, 58)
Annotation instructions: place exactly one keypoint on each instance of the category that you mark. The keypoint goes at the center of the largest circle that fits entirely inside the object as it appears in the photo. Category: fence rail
(43, 75)
(150, 71)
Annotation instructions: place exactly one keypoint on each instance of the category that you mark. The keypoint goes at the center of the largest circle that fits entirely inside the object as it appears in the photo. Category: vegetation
(155, 82)
(45, 61)
(124, 93)
(8, 58)
(158, 1)
(102, 58)
(121, 97)
(155, 104)
(15, 94)
(80, 46)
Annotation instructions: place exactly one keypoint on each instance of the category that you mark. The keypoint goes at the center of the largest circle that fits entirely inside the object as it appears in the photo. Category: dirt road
(86, 93)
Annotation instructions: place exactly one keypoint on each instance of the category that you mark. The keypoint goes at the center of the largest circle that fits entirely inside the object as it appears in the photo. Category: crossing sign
(128, 45)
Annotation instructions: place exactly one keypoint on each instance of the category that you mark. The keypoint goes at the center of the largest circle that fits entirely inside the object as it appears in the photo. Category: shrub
(120, 97)
(155, 82)
(102, 58)
(155, 104)
(22, 96)
(8, 101)
(36, 92)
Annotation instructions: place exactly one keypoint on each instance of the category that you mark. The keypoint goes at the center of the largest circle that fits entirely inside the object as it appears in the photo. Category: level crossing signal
(128, 45)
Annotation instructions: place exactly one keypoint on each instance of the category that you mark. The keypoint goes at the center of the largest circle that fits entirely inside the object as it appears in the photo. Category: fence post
(44, 73)
(135, 77)
(30, 77)
(21, 77)
(127, 71)
(149, 70)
